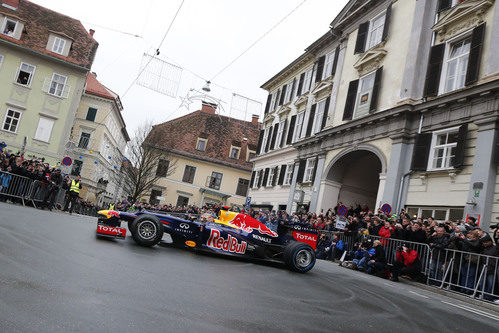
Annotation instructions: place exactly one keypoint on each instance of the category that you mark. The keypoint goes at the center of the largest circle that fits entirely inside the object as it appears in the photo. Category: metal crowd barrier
(15, 187)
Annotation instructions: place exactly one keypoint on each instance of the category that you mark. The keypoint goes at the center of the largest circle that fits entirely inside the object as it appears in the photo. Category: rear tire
(147, 230)
(299, 257)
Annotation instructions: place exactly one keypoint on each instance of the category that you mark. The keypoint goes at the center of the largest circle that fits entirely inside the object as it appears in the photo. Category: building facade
(413, 120)
(206, 159)
(97, 143)
(43, 68)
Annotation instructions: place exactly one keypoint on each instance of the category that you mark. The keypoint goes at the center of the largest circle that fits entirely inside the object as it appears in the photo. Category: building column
(292, 188)
(381, 189)
(483, 176)
(493, 53)
(398, 166)
(329, 194)
(317, 183)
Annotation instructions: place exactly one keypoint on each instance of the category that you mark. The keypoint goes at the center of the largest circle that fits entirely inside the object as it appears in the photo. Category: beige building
(98, 141)
(206, 159)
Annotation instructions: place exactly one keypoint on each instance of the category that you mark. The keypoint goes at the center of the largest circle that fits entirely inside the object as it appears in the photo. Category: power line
(259, 39)
(113, 29)
(157, 50)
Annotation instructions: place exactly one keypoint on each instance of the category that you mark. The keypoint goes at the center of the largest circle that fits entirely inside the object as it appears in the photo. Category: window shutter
(274, 180)
(325, 114)
(276, 129)
(293, 86)
(260, 179)
(421, 152)
(283, 94)
(260, 142)
(269, 138)
(461, 145)
(277, 98)
(267, 106)
(335, 61)
(291, 130)
(375, 94)
(315, 169)
(320, 68)
(311, 120)
(252, 179)
(434, 70)
(281, 144)
(350, 102)
(475, 54)
(387, 22)
(300, 84)
(282, 174)
(266, 176)
(301, 171)
(444, 5)
(360, 44)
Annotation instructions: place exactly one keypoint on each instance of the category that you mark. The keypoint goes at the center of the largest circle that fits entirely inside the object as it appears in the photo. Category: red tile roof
(39, 21)
(94, 87)
(180, 136)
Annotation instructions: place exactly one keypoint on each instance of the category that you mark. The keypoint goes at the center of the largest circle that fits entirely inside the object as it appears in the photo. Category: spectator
(377, 262)
(491, 250)
(337, 247)
(416, 233)
(438, 242)
(407, 263)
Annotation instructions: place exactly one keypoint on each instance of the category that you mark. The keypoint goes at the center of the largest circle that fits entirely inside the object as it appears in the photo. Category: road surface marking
(415, 293)
(477, 311)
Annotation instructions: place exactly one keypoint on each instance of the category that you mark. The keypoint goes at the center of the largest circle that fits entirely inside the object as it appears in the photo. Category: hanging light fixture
(207, 86)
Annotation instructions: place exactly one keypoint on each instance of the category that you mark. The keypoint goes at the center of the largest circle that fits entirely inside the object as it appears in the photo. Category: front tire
(147, 230)
(299, 257)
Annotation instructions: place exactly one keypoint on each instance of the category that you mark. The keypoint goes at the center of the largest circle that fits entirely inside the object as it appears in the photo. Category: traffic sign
(248, 202)
(67, 161)
(386, 208)
(342, 210)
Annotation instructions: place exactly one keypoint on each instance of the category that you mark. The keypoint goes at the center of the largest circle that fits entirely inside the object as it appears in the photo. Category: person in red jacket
(407, 263)
(385, 232)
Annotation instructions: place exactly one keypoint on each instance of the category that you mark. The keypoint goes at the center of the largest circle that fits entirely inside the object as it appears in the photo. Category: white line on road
(480, 312)
(415, 293)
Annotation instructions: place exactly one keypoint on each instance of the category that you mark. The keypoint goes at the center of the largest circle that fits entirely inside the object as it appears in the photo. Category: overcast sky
(206, 36)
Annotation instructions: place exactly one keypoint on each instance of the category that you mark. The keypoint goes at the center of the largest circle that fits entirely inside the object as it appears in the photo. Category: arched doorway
(353, 178)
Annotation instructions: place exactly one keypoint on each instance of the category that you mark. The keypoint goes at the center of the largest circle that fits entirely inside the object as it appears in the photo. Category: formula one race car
(232, 233)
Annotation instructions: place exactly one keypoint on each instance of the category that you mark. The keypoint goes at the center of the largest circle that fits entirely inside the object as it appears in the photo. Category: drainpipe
(402, 182)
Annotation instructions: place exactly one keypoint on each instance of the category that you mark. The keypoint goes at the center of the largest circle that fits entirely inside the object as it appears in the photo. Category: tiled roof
(94, 87)
(180, 136)
(39, 21)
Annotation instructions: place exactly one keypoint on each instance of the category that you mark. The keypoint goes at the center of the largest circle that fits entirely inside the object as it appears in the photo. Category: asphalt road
(55, 276)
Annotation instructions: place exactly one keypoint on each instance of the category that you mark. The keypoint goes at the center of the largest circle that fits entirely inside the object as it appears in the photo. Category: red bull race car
(232, 233)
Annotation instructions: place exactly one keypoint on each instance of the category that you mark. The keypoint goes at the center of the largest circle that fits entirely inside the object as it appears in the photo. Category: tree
(142, 168)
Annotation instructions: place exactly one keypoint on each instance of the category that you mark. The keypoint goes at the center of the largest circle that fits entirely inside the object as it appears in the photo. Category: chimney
(254, 119)
(91, 32)
(208, 107)
(11, 4)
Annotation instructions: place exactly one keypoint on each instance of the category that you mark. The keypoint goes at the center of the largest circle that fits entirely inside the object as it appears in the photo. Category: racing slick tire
(299, 257)
(147, 230)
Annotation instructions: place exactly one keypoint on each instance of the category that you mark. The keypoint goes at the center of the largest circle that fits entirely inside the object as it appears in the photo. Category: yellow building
(206, 159)
(98, 141)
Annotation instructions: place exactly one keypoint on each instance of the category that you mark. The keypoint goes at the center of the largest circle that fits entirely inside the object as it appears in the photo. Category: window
(438, 213)
(270, 179)
(328, 67)
(76, 170)
(298, 126)
(257, 179)
(306, 82)
(376, 28)
(287, 96)
(25, 74)
(84, 140)
(457, 64)
(309, 170)
(264, 139)
(321, 108)
(58, 46)
(44, 129)
(153, 199)
(274, 101)
(242, 187)
(251, 155)
(11, 121)
(215, 180)
(363, 100)
(162, 170)
(189, 173)
(234, 152)
(182, 201)
(443, 149)
(91, 113)
(201, 144)
(9, 27)
(288, 177)
(280, 133)
(57, 85)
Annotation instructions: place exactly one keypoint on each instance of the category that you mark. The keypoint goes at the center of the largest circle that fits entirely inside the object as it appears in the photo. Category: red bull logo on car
(246, 223)
(229, 245)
